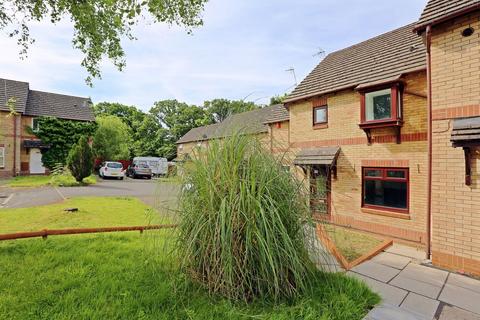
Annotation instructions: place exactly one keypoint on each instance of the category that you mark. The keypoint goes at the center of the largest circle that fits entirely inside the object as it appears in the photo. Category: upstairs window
(381, 105)
(2, 157)
(386, 189)
(320, 115)
(35, 124)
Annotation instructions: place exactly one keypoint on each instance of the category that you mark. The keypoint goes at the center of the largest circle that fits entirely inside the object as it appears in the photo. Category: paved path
(414, 291)
(150, 191)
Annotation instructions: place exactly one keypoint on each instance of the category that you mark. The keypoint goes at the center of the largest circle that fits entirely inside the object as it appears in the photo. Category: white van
(159, 166)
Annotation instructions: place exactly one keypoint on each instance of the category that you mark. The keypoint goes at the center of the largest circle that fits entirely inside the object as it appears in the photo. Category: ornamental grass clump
(242, 226)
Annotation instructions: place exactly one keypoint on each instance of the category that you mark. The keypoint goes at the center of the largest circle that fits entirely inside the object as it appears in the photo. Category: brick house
(386, 134)
(20, 151)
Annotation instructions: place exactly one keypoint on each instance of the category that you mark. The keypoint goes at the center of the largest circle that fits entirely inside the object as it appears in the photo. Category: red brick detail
(320, 101)
(456, 112)
(409, 137)
(386, 163)
(2, 145)
(456, 263)
(386, 230)
(24, 167)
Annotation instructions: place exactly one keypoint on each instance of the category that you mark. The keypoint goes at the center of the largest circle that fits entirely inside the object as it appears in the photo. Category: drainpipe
(14, 117)
(429, 139)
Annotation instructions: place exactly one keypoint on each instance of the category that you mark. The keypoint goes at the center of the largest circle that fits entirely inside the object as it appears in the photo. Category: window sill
(386, 213)
(320, 126)
(381, 123)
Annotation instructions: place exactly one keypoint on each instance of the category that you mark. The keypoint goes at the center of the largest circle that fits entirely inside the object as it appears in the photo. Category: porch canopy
(318, 156)
(466, 132)
(35, 144)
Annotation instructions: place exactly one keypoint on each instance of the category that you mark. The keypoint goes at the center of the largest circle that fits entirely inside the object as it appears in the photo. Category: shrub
(80, 160)
(241, 231)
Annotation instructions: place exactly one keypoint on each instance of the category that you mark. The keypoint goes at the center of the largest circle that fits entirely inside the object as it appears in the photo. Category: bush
(241, 231)
(67, 180)
(80, 160)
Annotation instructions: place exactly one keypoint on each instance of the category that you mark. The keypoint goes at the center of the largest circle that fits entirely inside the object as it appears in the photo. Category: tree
(150, 137)
(131, 115)
(178, 118)
(220, 109)
(99, 25)
(112, 139)
(60, 135)
(277, 99)
(80, 160)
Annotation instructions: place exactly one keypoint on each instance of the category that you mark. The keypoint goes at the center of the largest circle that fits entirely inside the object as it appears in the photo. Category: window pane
(386, 193)
(320, 115)
(395, 174)
(373, 173)
(378, 105)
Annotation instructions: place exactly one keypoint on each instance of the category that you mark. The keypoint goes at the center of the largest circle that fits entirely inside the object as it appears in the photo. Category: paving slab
(392, 260)
(422, 305)
(410, 252)
(416, 286)
(464, 282)
(388, 312)
(461, 297)
(390, 294)
(425, 274)
(448, 312)
(376, 271)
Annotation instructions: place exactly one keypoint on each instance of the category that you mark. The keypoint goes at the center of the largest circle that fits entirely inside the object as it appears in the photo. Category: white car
(111, 169)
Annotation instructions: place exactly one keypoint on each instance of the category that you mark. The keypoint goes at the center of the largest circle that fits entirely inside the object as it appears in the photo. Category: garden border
(59, 232)
(330, 245)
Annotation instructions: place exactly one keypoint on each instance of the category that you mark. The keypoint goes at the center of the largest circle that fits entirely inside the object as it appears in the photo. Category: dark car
(139, 169)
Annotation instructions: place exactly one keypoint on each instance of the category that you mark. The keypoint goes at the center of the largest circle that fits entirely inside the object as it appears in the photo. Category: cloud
(244, 47)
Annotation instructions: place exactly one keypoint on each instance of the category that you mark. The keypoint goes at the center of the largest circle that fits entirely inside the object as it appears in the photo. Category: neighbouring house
(20, 151)
(386, 134)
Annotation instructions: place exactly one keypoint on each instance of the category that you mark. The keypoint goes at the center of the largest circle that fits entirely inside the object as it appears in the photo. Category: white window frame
(369, 115)
(33, 125)
(2, 157)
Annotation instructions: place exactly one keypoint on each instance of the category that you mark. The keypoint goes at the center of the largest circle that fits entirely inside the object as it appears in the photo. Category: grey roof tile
(278, 114)
(250, 122)
(438, 10)
(383, 57)
(13, 89)
(58, 105)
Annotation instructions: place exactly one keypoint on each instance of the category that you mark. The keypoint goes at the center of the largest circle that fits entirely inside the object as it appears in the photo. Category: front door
(36, 165)
(320, 191)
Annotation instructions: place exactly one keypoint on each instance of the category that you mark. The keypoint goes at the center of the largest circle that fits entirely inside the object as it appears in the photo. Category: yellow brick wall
(7, 140)
(343, 130)
(279, 137)
(455, 93)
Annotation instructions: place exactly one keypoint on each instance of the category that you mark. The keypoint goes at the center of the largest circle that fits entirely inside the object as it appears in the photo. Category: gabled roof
(438, 11)
(39, 103)
(250, 122)
(58, 105)
(383, 57)
(278, 114)
(13, 89)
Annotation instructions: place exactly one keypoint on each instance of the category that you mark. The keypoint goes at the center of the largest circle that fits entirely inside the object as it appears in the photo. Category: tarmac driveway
(152, 192)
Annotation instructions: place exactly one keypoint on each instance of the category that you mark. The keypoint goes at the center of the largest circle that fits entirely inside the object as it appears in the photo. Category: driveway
(413, 291)
(152, 192)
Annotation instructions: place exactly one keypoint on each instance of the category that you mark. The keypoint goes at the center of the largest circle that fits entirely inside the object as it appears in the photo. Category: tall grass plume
(242, 216)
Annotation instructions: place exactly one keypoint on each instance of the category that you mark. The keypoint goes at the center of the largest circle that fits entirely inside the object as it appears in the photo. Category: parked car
(139, 169)
(111, 169)
(159, 166)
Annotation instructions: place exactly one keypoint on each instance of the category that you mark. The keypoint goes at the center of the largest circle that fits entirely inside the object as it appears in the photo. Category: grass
(65, 180)
(93, 212)
(128, 276)
(352, 244)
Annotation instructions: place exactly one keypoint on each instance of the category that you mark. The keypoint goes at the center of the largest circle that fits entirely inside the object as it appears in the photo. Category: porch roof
(466, 131)
(324, 156)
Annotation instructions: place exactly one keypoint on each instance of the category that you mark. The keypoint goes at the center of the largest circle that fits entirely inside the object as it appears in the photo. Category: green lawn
(130, 276)
(66, 180)
(352, 244)
(93, 212)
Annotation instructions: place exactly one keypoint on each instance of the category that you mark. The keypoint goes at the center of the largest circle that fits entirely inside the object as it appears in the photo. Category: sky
(241, 52)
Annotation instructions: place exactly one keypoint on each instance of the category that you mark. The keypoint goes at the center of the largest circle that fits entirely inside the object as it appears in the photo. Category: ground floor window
(386, 189)
(2, 157)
